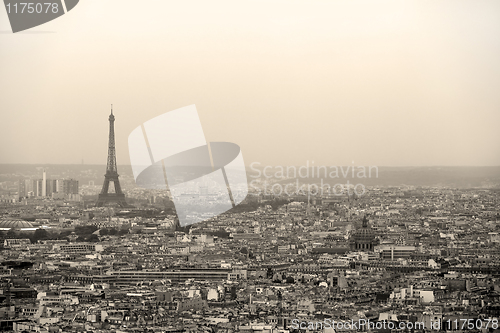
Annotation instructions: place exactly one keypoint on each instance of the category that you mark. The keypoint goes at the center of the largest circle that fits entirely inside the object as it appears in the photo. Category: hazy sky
(374, 82)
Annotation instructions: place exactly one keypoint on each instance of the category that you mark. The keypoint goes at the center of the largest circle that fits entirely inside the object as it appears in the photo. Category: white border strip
(64, 6)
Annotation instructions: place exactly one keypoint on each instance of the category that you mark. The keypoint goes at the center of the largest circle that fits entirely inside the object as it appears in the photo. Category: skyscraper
(23, 188)
(44, 184)
(70, 186)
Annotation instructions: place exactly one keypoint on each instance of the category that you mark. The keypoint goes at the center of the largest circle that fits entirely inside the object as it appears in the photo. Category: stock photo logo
(26, 14)
(169, 152)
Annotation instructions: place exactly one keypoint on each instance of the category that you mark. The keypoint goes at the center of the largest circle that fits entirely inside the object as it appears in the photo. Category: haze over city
(351, 183)
(378, 83)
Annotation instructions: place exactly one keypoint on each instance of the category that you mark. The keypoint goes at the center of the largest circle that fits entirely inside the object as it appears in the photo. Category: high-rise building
(56, 185)
(70, 186)
(37, 187)
(24, 188)
(21, 189)
(44, 184)
(47, 187)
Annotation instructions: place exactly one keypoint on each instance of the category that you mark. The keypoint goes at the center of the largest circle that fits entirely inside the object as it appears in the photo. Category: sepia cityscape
(77, 256)
(279, 166)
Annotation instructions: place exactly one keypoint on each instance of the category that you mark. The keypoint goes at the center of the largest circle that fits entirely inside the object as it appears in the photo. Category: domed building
(363, 238)
(15, 224)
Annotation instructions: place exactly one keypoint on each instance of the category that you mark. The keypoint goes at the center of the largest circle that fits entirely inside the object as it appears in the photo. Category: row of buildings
(57, 188)
(396, 254)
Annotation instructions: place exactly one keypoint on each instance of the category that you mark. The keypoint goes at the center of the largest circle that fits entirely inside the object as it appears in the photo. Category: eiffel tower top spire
(111, 165)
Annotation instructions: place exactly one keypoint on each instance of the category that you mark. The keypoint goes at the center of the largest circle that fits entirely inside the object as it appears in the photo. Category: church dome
(364, 232)
(363, 237)
(15, 224)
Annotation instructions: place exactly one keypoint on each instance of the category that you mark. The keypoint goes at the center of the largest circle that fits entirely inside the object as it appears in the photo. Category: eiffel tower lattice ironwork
(111, 172)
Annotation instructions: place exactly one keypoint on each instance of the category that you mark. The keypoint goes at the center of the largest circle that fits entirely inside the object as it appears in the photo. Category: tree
(40, 234)
(85, 230)
(11, 234)
(93, 238)
(122, 232)
(112, 231)
(221, 233)
(64, 234)
(108, 231)
(269, 273)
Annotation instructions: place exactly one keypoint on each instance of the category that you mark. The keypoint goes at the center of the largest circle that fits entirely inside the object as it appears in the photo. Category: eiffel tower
(111, 172)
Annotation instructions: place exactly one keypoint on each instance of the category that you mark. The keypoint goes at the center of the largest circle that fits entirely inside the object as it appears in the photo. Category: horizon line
(274, 166)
